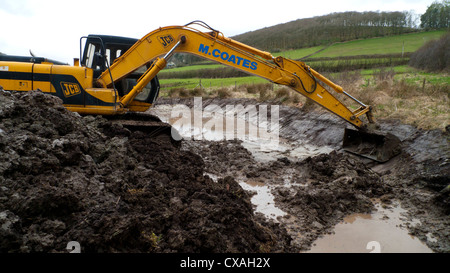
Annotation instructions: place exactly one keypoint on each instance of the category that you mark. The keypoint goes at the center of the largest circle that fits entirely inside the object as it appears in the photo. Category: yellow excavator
(118, 75)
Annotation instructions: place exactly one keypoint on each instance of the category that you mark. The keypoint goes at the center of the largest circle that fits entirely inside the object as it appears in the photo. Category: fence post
(403, 48)
(199, 85)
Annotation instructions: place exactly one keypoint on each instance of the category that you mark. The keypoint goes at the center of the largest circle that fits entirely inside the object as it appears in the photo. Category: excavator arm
(157, 47)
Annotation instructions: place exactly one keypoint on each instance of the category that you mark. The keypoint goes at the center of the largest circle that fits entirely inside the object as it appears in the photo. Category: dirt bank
(65, 178)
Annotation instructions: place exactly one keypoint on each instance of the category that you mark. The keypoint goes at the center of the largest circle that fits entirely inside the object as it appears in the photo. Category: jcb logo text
(166, 40)
(70, 89)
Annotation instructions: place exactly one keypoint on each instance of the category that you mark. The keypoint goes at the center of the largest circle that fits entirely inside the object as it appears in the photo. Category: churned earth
(309, 184)
(66, 177)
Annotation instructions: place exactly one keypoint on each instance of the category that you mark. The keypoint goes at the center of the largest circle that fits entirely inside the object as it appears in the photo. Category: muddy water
(263, 199)
(265, 144)
(382, 231)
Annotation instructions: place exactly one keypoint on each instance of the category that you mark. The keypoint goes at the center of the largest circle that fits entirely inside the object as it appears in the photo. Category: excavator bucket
(374, 145)
(150, 124)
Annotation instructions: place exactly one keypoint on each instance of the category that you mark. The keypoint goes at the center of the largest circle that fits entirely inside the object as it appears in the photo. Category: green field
(385, 45)
(407, 73)
(192, 67)
(209, 83)
(410, 74)
(298, 53)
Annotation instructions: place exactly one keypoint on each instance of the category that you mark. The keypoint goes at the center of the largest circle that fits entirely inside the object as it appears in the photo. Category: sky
(52, 28)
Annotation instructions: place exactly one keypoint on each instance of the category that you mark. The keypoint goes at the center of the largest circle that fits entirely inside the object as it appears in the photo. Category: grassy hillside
(384, 45)
(328, 29)
(371, 46)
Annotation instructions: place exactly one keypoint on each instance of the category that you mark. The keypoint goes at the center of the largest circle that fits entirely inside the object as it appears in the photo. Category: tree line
(437, 16)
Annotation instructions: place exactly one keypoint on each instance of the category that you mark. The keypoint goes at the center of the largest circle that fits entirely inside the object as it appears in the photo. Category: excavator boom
(216, 47)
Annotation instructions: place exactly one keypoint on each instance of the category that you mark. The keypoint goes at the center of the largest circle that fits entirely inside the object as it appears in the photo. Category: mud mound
(222, 157)
(65, 178)
(331, 186)
(335, 184)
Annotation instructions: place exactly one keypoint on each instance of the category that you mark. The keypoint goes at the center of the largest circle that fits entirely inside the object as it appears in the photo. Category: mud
(66, 178)
(317, 192)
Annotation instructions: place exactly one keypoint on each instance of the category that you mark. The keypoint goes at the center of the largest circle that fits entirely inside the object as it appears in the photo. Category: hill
(328, 29)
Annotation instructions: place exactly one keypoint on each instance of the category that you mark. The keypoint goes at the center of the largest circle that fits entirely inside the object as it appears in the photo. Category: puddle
(265, 145)
(302, 151)
(263, 199)
(381, 231)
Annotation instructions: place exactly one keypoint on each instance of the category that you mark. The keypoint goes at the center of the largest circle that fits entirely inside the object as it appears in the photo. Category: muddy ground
(64, 177)
(317, 192)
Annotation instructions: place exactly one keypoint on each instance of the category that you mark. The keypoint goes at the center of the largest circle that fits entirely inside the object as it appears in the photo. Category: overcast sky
(53, 28)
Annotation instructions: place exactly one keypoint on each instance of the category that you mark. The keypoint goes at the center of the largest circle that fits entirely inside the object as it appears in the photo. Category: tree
(437, 16)
(433, 56)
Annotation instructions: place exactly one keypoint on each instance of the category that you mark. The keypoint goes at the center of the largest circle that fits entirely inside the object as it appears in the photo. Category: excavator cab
(100, 51)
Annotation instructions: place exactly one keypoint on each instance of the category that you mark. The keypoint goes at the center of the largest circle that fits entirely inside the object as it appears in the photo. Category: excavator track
(146, 123)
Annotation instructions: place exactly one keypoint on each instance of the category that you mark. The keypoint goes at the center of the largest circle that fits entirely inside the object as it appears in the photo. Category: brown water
(263, 199)
(380, 232)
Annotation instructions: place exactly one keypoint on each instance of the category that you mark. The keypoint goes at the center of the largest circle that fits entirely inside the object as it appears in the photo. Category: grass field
(298, 53)
(192, 67)
(401, 92)
(403, 72)
(383, 45)
(209, 83)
